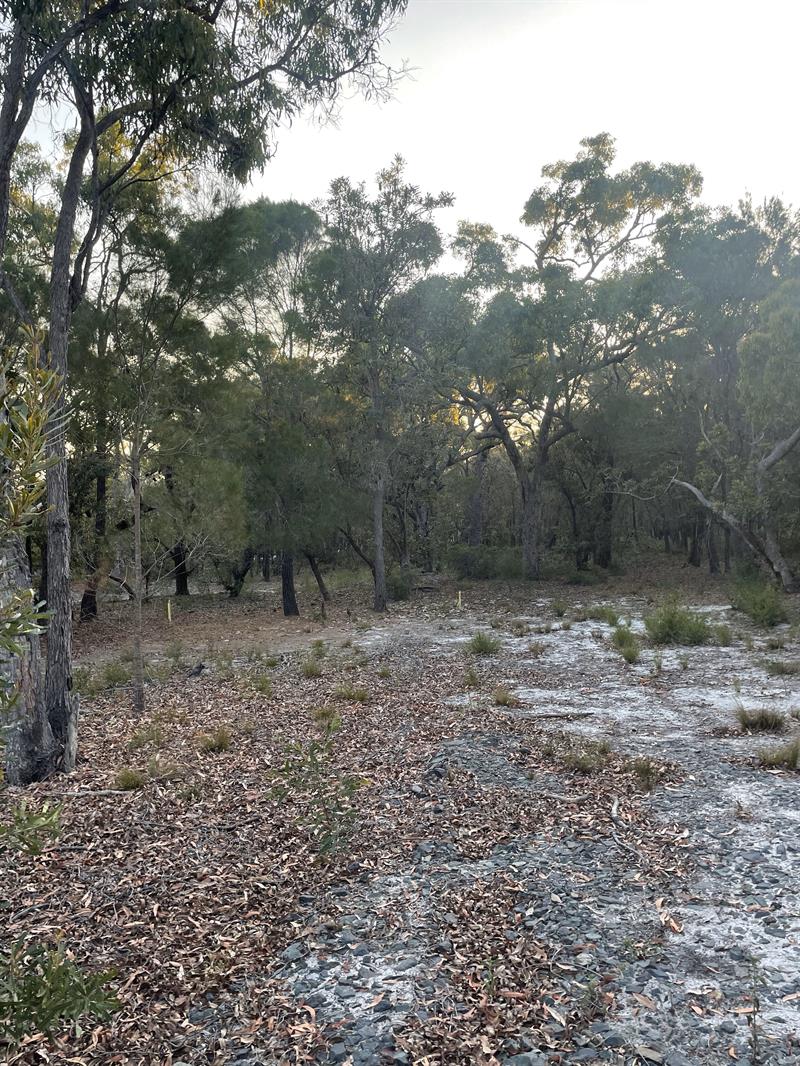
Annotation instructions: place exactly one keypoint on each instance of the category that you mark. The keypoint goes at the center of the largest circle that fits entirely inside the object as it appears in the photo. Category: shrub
(216, 742)
(40, 988)
(261, 683)
(519, 627)
(174, 652)
(86, 682)
(503, 698)
(784, 757)
(762, 720)
(152, 733)
(624, 639)
(471, 679)
(116, 673)
(29, 829)
(384, 672)
(484, 563)
(647, 772)
(310, 668)
(351, 693)
(672, 624)
(781, 668)
(128, 780)
(482, 643)
(723, 636)
(537, 648)
(399, 583)
(602, 613)
(319, 649)
(559, 608)
(588, 761)
(760, 601)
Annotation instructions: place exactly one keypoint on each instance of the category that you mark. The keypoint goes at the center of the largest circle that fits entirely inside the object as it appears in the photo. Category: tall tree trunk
(30, 749)
(61, 703)
(42, 593)
(88, 610)
(379, 572)
(711, 547)
(138, 654)
(265, 557)
(532, 514)
(320, 580)
(240, 572)
(476, 502)
(179, 569)
(695, 544)
(604, 530)
(288, 593)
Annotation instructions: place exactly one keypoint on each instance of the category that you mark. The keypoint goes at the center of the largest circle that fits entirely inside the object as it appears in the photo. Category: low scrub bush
(482, 643)
(30, 829)
(760, 601)
(129, 780)
(215, 743)
(784, 757)
(782, 667)
(647, 772)
(116, 673)
(311, 667)
(41, 988)
(504, 698)
(763, 720)
(624, 640)
(485, 563)
(673, 624)
(351, 693)
(399, 583)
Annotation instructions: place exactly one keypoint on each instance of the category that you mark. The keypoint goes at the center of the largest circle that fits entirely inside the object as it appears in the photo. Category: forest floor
(595, 869)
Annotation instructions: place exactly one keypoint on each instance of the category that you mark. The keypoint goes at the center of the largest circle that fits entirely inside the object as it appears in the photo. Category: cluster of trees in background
(259, 381)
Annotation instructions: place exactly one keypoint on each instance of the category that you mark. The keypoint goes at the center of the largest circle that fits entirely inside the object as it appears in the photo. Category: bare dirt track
(509, 891)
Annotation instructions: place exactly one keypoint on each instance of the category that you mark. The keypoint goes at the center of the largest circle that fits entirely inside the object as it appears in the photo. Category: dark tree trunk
(379, 571)
(530, 486)
(604, 531)
(315, 570)
(711, 546)
(265, 570)
(695, 542)
(42, 593)
(476, 502)
(288, 593)
(180, 570)
(89, 599)
(240, 572)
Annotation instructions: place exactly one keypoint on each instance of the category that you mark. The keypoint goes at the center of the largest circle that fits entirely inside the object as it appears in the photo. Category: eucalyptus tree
(593, 295)
(376, 249)
(196, 80)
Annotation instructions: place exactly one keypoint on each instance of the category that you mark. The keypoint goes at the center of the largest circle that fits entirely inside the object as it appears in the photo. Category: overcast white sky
(501, 87)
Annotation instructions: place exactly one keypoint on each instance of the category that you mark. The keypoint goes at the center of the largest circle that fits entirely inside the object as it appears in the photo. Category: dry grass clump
(783, 757)
(762, 720)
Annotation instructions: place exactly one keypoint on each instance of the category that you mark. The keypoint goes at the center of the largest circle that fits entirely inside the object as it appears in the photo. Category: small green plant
(624, 639)
(536, 648)
(683, 662)
(86, 682)
(162, 771)
(482, 643)
(151, 734)
(30, 829)
(775, 643)
(658, 663)
(760, 601)
(351, 693)
(559, 608)
(271, 661)
(504, 698)
(262, 683)
(519, 627)
(384, 672)
(589, 759)
(215, 743)
(223, 664)
(319, 649)
(603, 613)
(327, 806)
(129, 780)
(723, 635)
(399, 583)
(311, 668)
(647, 772)
(174, 652)
(116, 673)
(159, 671)
(782, 668)
(471, 678)
(673, 624)
(41, 987)
(762, 720)
(783, 757)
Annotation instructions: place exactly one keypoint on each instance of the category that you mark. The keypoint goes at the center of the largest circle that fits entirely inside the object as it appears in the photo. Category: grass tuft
(129, 780)
(504, 698)
(351, 693)
(762, 720)
(761, 602)
(624, 639)
(672, 624)
(781, 668)
(482, 643)
(214, 743)
(784, 757)
(311, 668)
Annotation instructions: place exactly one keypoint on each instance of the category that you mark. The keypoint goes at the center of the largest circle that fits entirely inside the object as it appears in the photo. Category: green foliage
(782, 667)
(351, 693)
(484, 563)
(624, 639)
(30, 829)
(647, 772)
(504, 698)
(262, 683)
(130, 780)
(215, 743)
(325, 799)
(399, 583)
(723, 635)
(41, 987)
(760, 601)
(151, 734)
(115, 674)
(783, 757)
(673, 624)
(482, 643)
(311, 667)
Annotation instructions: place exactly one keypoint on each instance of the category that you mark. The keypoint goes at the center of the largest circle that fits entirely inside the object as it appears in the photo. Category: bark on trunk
(179, 569)
(379, 572)
(476, 502)
(320, 580)
(89, 599)
(138, 654)
(30, 748)
(531, 527)
(240, 571)
(288, 593)
(265, 573)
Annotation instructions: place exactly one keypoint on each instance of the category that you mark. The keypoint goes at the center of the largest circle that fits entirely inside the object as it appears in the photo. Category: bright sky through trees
(501, 87)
